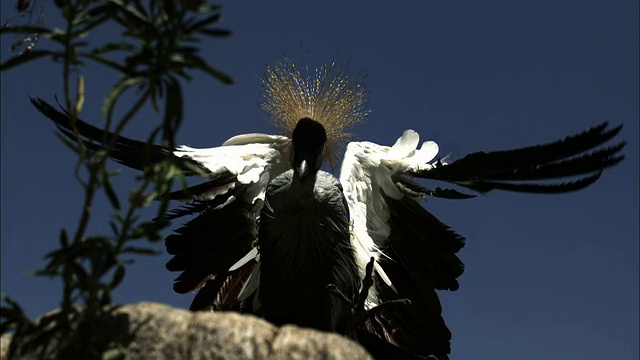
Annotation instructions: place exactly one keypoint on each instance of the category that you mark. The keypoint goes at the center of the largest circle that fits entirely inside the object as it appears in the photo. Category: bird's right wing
(215, 251)
(415, 253)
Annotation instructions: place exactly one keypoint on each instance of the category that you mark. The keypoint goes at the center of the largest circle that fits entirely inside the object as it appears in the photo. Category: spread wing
(215, 250)
(415, 253)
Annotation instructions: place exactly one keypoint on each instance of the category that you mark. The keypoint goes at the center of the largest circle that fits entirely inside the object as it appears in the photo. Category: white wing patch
(366, 172)
(254, 158)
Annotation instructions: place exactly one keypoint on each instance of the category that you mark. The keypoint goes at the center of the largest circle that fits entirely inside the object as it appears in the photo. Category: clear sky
(547, 277)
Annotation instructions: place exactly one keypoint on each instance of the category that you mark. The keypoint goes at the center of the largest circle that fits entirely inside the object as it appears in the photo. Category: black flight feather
(132, 153)
(572, 156)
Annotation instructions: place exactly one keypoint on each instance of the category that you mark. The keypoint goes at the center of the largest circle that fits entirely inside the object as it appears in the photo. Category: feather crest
(329, 95)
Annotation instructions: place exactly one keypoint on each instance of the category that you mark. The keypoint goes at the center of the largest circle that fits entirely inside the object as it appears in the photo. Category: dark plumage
(509, 170)
(304, 245)
(305, 213)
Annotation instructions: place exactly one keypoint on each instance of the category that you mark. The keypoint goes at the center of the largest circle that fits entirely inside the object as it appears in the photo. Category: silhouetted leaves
(156, 47)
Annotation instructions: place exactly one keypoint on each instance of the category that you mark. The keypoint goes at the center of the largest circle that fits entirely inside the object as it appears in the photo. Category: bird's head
(307, 147)
(314, 108)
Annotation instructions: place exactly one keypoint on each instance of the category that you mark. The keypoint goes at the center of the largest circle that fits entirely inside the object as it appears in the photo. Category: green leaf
(196, 26)
(24, 58)
(133, 16)
(99, 59)
(209, 8)
(117, 277)
(173, 110)
(70, 144)
(109, 47)
(64, 239)
(79, 272)
(216, 32)
(114, 228)
(14, 315)
(80, 94)
(28, 30)
(197, 62)
(116, 92)
(139, 250)
(97, 16)
(111, 195)
(78, 44)
(140, 7)
(115, 353)
(226, 79)
(185, 50)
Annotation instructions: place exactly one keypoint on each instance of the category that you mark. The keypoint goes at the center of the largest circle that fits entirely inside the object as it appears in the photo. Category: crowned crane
(276, 236)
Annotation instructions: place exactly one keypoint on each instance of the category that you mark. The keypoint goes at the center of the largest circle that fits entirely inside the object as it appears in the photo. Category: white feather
(366, 173)
(252, 254)
(254, 158)
(404, 146)
(251, 284)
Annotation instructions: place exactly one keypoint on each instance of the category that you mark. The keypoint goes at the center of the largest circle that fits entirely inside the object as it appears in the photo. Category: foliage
(158, 48)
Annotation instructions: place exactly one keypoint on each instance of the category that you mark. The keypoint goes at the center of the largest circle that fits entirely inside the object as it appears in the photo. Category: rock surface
(156, 331)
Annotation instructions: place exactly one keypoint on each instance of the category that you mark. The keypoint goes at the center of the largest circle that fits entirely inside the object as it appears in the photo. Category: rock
(156, 331)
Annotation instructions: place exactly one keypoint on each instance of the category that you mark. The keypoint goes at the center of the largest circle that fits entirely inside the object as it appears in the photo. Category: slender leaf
(198, 25)
(28, 30)
(109, 47)
(80, 95)
(64, 239)
(139, 250)
(117, 277)
(216, 32)
(111, 194)
(25, 57)
(116, 92)
(226, 79)
(99, 59)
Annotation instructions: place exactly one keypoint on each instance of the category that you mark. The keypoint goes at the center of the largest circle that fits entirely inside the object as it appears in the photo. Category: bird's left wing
(415, 253)
(215, 250)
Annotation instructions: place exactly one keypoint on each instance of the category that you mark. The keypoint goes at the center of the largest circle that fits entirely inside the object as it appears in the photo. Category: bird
(273, 234)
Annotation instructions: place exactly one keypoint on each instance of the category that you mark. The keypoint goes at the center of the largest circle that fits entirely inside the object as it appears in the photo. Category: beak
(303, 168)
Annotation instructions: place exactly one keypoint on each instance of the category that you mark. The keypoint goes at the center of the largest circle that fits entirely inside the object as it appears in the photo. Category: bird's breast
(302, 220)
(304, 244)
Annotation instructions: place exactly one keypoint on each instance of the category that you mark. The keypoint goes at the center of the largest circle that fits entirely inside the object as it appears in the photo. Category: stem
(68, 53)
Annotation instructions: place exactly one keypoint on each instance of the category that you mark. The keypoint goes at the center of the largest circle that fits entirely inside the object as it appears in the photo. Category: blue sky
(553, 277)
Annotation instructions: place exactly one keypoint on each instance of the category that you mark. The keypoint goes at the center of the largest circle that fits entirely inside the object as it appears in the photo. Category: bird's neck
(303, 188)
